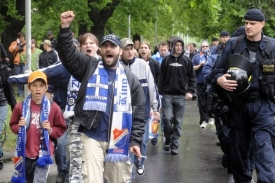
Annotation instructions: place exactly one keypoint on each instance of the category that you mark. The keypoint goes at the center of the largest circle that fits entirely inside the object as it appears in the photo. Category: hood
(176, 39)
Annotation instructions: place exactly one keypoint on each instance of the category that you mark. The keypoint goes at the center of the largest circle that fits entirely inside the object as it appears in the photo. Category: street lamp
(28, 41)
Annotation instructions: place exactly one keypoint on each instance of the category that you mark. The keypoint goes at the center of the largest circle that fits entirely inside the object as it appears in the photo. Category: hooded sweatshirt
(177, 75)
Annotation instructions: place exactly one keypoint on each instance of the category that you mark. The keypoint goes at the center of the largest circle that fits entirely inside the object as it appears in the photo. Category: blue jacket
(207, 68)
(159, 58)
(57, 75)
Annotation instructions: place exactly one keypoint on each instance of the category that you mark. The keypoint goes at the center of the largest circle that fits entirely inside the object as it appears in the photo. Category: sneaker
(230, 178)
(203, 124)
(140, 170)
(154, 141)
(174, 151)
(60, 178)
(166, 146)
(211, 121)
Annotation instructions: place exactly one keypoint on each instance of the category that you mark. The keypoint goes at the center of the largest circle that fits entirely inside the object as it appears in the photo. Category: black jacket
(82, 67)
(8, 90)
(3, 52)
(154, 66)
(47, 58)
(176, 76)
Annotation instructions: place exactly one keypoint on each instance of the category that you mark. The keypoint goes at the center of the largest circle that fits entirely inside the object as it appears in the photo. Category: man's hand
(47, 125)
(226, 84)
(188, 96)
(136, 151)
(202, 63)
(66, 18)
(156, 116)
(22, 122)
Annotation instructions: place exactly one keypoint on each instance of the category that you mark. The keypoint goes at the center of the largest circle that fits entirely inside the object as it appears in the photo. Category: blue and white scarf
(72, 92)
(96, 99)
(19, 160)
(44, 153)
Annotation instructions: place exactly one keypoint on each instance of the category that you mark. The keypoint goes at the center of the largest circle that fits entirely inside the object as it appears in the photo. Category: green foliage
(155, 20)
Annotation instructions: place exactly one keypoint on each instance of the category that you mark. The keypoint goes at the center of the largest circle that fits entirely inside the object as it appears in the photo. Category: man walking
(177, 83)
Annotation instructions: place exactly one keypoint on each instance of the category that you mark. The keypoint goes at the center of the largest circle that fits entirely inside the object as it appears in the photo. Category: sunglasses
(204, 46)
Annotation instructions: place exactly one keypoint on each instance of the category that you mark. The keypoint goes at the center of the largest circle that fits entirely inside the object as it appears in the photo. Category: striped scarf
(96, 99)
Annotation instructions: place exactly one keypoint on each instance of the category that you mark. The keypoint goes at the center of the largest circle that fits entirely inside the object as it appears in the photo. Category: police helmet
(241, 76)
(241, 70)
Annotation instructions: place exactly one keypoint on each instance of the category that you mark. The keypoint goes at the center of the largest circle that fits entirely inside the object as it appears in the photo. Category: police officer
(252, 121)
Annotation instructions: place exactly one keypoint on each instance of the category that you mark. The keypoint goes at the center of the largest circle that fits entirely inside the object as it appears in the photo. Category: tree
(12, 16)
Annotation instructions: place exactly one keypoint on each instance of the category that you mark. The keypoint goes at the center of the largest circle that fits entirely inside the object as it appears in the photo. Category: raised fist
(66, 18)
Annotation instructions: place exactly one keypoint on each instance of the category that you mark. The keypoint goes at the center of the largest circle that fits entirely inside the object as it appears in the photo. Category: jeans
(173, 111)
(143, 147)
(3, 116)
(19, 69)
(61, 160)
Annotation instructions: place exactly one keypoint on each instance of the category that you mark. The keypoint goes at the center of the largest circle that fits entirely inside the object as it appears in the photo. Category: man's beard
(113, 63)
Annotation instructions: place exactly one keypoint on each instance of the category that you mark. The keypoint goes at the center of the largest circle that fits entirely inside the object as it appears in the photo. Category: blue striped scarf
(44, 153)
(96, 99)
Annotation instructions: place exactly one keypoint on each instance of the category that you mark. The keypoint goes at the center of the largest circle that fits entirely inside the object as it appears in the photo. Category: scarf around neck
(121, 116)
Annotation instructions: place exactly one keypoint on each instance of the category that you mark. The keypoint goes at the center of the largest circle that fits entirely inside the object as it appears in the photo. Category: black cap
(224, 33)
(254, 15)
(113, 38)
(215, 39)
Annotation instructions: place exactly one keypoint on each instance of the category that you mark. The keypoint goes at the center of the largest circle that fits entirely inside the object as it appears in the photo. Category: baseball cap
(47, 42)
(113, 38)
(49, 33)
(37, 75)
(126, 41)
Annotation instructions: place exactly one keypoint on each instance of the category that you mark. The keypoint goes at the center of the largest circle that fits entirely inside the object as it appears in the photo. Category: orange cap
(37, 75)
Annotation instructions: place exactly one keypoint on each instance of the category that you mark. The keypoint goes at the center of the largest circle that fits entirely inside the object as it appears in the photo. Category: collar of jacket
(129, 62)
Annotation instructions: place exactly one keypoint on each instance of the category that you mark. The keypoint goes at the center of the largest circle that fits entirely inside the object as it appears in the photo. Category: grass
(10, 143)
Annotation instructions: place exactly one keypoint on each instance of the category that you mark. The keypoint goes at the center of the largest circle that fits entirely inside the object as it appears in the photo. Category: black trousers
(202, 103)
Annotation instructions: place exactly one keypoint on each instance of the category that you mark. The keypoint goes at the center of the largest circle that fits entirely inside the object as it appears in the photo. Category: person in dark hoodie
(177, 83)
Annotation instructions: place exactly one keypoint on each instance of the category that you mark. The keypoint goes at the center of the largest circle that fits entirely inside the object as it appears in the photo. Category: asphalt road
(199, 159)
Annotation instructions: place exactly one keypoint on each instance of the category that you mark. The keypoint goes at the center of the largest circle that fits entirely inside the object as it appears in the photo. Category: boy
(37, 106)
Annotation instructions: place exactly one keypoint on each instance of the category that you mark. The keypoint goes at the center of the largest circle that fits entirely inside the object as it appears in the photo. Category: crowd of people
(108, 92)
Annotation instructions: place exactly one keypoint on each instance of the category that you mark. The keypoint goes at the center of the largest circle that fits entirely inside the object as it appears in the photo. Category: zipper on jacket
(111, 113)
(94, 118)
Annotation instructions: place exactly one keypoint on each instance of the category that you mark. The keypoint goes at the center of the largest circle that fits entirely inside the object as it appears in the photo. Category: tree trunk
(101, 17)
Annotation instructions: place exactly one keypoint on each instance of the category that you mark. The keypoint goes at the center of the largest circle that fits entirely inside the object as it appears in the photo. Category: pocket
(176, 84)
(127, 173)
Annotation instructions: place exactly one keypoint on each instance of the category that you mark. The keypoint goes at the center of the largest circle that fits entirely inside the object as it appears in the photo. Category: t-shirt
(100, 133)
